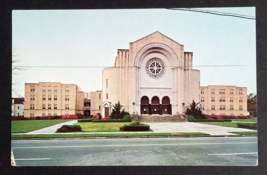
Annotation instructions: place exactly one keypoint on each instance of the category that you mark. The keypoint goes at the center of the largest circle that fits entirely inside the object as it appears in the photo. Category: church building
(153, 77)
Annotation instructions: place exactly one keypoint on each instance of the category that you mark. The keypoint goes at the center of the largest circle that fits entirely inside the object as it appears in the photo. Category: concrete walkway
(194, 127)
(52, 129)
(172, 127)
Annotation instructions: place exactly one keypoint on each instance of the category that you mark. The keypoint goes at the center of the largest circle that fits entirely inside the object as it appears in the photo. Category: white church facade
(153, 77)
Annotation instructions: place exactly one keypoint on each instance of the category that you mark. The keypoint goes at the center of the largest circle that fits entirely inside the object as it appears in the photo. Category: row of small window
(222, 107)
(225, 114)
(222, 99)
(49, 106)
(49, 89)
(50, 98)
(223, 91)
(49, 114)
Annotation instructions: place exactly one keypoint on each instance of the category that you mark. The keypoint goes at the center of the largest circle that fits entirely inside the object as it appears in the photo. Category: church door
(106, 111)
(155, 105)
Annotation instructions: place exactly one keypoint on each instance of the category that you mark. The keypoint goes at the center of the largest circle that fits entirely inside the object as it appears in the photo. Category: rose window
(155, 68)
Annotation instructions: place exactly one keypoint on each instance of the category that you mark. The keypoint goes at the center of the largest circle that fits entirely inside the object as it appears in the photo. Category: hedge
(85, 120)
(136, 126)
(191, 118)
(69, 128)
(247, 125)
(126, 118)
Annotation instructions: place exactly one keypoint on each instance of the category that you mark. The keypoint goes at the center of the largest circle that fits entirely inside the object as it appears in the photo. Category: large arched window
(155, 100)
(144, 100)
(166, 100)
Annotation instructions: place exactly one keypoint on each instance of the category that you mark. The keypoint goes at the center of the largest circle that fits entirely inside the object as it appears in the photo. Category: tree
(116, 111)
(252, 102)
(193, 110)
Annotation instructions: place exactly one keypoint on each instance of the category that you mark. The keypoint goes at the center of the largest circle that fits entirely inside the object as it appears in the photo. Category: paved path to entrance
(194, 127)
(52, 129)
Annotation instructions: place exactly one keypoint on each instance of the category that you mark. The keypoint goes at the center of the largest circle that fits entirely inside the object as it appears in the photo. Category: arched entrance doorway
(155, 108)
(145, 105)
(166, 105)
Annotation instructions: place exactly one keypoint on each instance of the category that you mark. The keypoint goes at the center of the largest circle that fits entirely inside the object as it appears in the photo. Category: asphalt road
(206, 151)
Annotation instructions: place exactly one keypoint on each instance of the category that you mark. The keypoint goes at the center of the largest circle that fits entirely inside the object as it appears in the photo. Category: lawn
(23, 126)
(106, 135)
(245, 120)
(101, 127)
(227, 124)
(246, 133)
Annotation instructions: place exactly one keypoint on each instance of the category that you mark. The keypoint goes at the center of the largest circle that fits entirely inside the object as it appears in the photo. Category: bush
(117, 113)
(85, 120)
(136, 126)
(97, 116)
(69, 128)
(127, 118)
(247, 125)
(191, 118)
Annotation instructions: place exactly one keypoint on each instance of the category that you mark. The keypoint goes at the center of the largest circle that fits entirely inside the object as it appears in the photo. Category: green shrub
(69, 128)
(85, 120)
(191, 118)
(110, 120)
(247, 125)
(136, 126)
(127, 118)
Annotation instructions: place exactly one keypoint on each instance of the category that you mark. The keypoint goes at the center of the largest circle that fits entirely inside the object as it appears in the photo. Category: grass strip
(101, 127)
(226, 124)
(103, 135)
(23, 126)
(246, 133)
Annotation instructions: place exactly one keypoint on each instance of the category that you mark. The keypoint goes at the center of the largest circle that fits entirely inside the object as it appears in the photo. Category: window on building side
(49, 88)
(49, 106)
(43, 114)
(43, 88)
(231, 99)
(67, 89)
(55, 88)
(240, 99)
(106, 82)
(222, 99)
(49, 97)
(212, 99)
(32, 97)
(212, 91)
(18, 107)
(55, 97)
(202, 99)
(212, 107)
(231, 91)
(55, 106)
(32, 88)
(99, 107)
(66, 106)
(106, 95)
(222, 107)
(55, 114)
(67, 98)
(240, 107)
(99, 96)
(43, 106)
(231, 107)
(43, 97)
(32, 106)
(222, 91)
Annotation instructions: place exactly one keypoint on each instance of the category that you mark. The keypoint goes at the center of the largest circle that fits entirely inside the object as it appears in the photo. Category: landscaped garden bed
(69, 128)
(247, 125)
(136, 126)
(101, 127)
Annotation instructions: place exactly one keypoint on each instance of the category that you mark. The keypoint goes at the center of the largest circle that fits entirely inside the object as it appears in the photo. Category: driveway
(194, 127)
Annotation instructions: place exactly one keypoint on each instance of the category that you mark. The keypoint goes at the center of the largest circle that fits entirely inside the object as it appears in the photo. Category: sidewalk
(173, 127)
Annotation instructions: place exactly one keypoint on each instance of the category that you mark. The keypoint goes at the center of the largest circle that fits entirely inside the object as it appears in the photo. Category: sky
(92, 37)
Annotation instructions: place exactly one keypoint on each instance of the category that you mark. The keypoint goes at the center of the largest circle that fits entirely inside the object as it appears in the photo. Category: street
(204, 151)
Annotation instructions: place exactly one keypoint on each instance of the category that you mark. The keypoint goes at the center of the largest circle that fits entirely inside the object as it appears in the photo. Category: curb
(129, 137)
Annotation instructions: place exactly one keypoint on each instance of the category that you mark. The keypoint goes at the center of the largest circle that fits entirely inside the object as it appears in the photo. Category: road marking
(34, 159)
(230, 154)
(182, 144)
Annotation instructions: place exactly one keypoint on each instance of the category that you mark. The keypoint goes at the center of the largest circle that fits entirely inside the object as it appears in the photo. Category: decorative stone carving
(155, 68)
